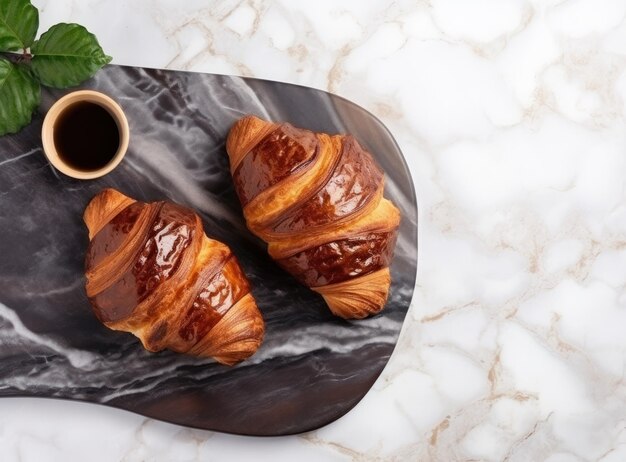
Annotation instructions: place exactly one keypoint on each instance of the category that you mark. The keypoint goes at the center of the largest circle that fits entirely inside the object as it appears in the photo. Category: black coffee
(86, 136)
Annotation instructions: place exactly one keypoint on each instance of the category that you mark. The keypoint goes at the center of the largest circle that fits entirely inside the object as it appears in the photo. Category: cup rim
(47, 133)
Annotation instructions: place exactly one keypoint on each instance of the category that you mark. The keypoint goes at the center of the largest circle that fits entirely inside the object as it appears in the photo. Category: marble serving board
(312, 367)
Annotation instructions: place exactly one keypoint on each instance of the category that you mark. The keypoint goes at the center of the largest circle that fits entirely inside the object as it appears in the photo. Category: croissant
(153, 272)
(317, 200)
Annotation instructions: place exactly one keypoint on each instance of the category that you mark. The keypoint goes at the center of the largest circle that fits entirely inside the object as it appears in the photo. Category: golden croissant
(317, 200)
(153, 272)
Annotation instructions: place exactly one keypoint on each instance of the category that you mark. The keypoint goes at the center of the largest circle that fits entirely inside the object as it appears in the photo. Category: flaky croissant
(317, 200)
(153, 272)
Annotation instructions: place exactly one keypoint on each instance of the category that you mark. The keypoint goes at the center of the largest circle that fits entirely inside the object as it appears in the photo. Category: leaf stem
(17, 58)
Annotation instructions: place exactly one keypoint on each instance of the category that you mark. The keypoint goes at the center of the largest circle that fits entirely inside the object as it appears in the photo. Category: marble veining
(511, 116)
(50, 343)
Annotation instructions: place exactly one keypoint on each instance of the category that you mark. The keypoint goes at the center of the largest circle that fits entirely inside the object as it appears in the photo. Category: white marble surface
(511, 115)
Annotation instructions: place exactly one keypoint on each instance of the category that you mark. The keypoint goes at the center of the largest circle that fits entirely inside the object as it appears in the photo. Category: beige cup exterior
(47, 132)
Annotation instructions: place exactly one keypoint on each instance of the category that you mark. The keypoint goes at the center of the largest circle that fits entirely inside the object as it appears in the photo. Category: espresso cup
(51, 127)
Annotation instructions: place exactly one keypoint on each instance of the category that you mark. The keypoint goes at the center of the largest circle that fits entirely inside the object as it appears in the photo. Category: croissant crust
(153, 272)
(317, 200)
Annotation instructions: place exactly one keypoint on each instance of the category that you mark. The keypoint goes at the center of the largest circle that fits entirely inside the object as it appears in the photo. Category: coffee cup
(85, 134)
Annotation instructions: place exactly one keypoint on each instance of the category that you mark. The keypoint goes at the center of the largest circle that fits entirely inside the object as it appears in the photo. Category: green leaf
(19, 97)
(19, 21)
(67, 55)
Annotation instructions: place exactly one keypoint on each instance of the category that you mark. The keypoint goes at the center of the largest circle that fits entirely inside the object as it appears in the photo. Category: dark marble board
(312, 367)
